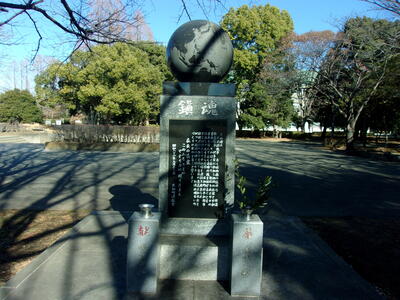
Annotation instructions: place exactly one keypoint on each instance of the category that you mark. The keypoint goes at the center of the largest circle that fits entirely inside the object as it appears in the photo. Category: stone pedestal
(247, 255)
(143, 253)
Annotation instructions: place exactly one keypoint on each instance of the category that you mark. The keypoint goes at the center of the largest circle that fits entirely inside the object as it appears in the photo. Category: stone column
(143, 251)
(247, 255)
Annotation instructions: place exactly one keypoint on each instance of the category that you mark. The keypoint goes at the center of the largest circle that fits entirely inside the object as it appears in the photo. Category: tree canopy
(308, 50)
(117, 83)
(259, 36)
(19, 106)
(255, 33)
(356, 67)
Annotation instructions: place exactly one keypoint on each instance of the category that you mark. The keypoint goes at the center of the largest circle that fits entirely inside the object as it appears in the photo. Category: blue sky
(307, 15)
(162, 17)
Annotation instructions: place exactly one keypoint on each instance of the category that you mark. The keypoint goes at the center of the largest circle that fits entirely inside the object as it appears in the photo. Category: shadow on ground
(310, 182)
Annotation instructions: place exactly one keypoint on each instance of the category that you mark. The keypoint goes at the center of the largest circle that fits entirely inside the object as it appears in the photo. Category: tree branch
(13, 17)
(185, 9)
(40, 36)
(392, 6)
(72, 17)
(28, 5)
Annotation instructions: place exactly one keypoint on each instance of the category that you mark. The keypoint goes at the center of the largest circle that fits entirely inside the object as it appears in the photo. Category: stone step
(189, 257)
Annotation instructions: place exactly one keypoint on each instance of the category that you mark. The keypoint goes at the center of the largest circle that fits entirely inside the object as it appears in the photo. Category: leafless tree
(90, 21)
(82, 20)
(356, 67)
(392, 6)
(309, 50)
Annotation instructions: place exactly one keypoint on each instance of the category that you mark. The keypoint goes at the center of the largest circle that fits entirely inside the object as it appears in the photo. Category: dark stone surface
(199, 89)
(180, 131)
(199, 51)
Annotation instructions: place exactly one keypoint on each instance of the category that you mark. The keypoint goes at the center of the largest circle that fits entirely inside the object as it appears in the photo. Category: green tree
(258, 35)
(270, 98)
(269, 108)
(19, 106)
(113, 83)
(255, 33)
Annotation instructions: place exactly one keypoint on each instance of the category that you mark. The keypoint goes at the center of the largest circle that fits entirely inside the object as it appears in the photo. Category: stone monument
(197, 124)
(194, 236)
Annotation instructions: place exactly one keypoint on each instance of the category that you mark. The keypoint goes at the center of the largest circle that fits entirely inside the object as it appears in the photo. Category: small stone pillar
(143, 251)
(247, 255)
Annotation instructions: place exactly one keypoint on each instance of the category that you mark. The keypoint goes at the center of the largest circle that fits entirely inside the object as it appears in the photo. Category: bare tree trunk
(364, 132)
(323, 134)
(350, 130)
(332, 122)
(303, 126)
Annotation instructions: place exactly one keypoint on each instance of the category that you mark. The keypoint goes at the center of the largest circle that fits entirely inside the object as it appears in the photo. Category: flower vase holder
(247, 255)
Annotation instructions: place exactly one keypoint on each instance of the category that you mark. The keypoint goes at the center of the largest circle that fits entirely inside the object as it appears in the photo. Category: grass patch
(370, 246)
(25, 234)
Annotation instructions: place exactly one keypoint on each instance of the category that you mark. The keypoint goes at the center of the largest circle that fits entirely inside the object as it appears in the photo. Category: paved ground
(311, 181)
(90, 263)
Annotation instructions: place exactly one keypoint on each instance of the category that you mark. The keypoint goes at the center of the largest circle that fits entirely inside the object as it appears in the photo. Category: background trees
(356, 67)
(309, 50)
(116, 83)
(257, 35)
(19, 106)
(383, 112)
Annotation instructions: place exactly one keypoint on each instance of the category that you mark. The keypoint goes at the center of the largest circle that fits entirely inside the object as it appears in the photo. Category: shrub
(19, 106)
(107, 134)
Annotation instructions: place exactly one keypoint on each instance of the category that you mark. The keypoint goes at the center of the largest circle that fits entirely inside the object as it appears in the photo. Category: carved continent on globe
(199, 51)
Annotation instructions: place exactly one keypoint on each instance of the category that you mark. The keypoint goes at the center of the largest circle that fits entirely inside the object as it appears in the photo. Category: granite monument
(197, 124)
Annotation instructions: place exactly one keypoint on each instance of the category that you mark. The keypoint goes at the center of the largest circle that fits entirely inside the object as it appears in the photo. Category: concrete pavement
(89, 262)
(311, 181)
(316, 182)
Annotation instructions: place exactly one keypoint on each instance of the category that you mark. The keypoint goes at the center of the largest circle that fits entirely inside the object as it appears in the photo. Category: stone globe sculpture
(199, 51)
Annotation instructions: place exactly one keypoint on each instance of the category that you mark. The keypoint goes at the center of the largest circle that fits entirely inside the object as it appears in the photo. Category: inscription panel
(196, 177)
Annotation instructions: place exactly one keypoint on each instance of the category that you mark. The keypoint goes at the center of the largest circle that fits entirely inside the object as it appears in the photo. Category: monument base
(186, 257)
(195, 226)
(195, 249)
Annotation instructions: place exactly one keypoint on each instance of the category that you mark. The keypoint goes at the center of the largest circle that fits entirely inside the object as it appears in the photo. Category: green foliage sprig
(263, 193)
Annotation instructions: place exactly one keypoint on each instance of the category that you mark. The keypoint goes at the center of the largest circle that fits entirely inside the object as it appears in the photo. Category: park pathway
(89, 262)
(310, 181)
